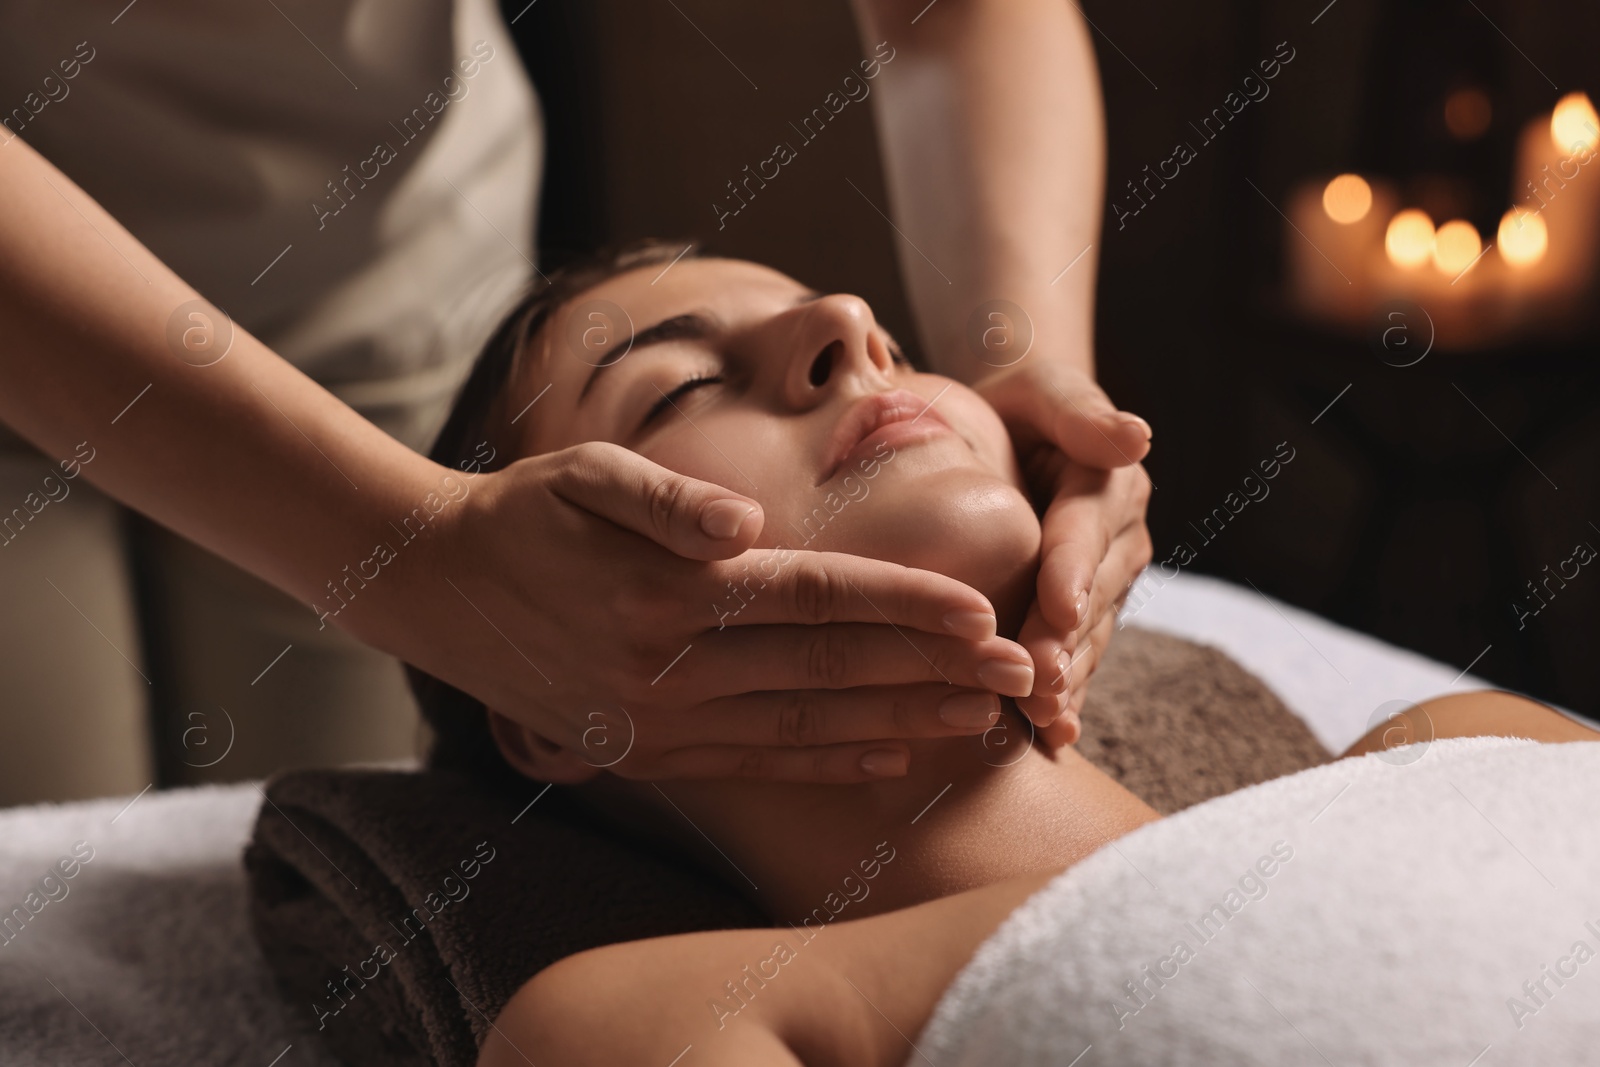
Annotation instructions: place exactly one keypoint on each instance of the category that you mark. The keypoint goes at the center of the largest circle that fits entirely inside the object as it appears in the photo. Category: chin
(965, 523)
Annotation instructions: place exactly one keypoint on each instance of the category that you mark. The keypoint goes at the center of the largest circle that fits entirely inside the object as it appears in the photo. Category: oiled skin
(857, 992)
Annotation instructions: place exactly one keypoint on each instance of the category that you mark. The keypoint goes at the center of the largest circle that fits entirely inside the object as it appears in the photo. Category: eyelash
(683, 388)
(690, 384)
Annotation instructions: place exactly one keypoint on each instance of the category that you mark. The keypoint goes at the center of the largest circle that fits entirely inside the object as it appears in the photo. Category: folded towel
(403, 909)
(1177, 723)
(1419, 906)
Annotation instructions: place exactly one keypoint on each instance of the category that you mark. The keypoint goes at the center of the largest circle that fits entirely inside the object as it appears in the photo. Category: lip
(897, 416)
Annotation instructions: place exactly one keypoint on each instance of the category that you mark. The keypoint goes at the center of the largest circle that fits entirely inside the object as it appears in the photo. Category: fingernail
(1127, 418)
(1006, 676)
(1058, 681)
(969, 710)
(1077, 725)
(1080, 607)
(721, 519)
(974, 625)
(885, 763)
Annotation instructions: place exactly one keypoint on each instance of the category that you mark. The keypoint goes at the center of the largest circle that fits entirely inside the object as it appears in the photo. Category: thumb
(1075, 415)
(689, 517)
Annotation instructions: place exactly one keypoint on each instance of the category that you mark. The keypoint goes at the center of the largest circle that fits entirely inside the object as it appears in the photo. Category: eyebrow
(691, 326)
(688, 327)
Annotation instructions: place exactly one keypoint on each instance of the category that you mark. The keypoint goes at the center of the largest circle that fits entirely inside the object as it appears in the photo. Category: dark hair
(459, 722)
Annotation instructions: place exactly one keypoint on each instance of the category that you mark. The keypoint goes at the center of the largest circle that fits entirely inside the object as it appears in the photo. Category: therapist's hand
(586, 595)
(1081, 457)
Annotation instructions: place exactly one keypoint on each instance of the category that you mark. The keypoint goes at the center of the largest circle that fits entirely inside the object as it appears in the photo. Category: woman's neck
(972, 811)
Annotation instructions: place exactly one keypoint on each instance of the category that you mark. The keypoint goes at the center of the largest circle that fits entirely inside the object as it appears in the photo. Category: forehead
(729, 292)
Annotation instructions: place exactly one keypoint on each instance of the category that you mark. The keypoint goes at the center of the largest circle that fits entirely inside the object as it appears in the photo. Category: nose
(835, 341)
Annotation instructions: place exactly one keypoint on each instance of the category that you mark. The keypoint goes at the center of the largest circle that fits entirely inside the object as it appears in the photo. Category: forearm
(246, 456)
(994, 148)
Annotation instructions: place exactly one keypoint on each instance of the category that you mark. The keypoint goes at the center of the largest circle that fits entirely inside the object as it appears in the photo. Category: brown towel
(1177, 723)
(404, 909)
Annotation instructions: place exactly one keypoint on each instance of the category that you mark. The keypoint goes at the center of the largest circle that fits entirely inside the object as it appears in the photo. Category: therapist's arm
(990, 116)
(560, 586)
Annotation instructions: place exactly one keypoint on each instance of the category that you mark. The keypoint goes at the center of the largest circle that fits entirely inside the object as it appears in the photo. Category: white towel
(1339, 681)
(1438, 905)
(145, 950)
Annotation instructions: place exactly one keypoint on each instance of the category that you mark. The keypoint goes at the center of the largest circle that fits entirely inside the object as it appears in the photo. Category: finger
(810, 717)
(843, 655)
(829, 764)
(1074, 537)
(1087, 659)
(1083, 668)
(1129, 554)
(788, 586)
(1046, 645)
(1075, 704)
(1065, 730)
(689, 517)
(1076, 415)
(1066, 726)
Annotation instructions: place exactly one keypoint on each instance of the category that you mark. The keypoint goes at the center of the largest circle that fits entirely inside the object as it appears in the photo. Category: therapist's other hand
(615, 608)
(1081, 456)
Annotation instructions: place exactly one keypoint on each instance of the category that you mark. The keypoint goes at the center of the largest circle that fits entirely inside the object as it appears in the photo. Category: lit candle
(1347, 199)
(1558, 179)
(1521, 244)
(1573, 124)
(1522, 238)
(1456, 247)
(1408, 241)
(1334, 226)
(1440, 270)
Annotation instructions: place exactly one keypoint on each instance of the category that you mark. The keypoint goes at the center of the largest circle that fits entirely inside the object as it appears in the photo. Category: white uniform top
(353, 181)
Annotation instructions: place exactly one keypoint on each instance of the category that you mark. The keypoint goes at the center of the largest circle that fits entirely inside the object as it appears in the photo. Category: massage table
(148, 956)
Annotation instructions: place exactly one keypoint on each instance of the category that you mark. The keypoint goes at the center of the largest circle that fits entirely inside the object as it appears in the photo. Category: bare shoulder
(1481, 713)
(847, 993)
(643, 1002)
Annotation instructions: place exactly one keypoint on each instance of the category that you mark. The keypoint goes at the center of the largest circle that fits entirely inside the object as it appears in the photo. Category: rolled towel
(404, 909)
(1178, 723)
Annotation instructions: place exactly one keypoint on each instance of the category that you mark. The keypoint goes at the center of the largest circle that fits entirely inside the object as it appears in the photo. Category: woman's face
(733, 373)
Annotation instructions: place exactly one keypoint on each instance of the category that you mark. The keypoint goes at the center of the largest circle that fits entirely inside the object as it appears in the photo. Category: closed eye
(684, 389)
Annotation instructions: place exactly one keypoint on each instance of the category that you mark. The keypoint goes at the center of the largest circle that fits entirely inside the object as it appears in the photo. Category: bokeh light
(1455, 246)
(1522, 238)
(1574, 125)
(1347, 198)
(1409, 239)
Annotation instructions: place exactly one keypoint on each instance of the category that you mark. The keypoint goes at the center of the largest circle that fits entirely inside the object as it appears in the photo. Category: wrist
(1003, 334)
(377, 549)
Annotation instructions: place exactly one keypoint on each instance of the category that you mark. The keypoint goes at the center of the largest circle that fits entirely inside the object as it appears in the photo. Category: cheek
(752, 454)
(956, 519)
(978, 423)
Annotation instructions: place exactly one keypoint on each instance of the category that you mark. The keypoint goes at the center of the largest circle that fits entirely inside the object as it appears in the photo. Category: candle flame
(1522, 237)
(1409, 239)
(1574, 126)
(1347, 198)
(1455, 246)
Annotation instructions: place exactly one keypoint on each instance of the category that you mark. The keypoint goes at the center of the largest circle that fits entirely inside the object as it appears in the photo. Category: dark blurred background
(1419, 505)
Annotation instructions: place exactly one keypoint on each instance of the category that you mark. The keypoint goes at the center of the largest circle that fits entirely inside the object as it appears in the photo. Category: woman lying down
(742, 376)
